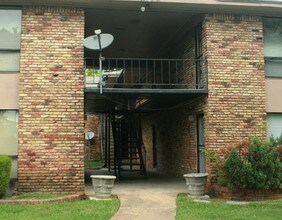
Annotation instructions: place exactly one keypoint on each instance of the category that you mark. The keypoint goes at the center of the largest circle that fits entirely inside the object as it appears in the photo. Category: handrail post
(101, 72)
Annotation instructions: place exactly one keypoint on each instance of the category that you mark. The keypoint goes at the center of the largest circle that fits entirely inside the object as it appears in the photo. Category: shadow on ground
(153, 182)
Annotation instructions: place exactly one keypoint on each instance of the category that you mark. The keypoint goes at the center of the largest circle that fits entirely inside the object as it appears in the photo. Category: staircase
(129, 151)
(108, 143)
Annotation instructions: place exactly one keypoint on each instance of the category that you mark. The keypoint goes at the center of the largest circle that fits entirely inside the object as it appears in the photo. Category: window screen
(274, 125)
(273, 47)
(9, 132)
(10, 39)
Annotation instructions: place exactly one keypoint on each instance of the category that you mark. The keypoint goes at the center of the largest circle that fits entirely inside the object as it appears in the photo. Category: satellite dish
(92, 42)
(89, 135)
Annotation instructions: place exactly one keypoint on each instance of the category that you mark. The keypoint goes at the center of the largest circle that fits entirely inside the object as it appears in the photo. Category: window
(9, 137)
(10, 34)
(274, 124)
(9, 132)
(273, 47)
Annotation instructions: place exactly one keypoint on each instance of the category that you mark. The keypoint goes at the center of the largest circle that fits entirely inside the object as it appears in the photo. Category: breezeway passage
(153, 197)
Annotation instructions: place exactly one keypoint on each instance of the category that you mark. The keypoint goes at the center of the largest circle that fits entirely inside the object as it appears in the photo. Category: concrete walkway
(146, 199)
(146, 205)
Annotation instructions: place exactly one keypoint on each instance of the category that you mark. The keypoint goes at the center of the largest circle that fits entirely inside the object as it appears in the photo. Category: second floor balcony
(135, 75)
(146, 84)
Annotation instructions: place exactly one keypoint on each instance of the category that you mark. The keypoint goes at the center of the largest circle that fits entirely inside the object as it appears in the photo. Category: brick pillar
(233, 46)
(51, 105)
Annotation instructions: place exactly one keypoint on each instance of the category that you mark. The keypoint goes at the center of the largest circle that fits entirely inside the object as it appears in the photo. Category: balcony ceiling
(151, 34)
(138, 34)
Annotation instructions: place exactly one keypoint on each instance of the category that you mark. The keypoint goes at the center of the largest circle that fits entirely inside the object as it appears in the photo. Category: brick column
(236, 106)
(51, 105)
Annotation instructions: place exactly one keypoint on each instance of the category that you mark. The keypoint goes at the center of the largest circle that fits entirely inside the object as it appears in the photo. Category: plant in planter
(92, 76)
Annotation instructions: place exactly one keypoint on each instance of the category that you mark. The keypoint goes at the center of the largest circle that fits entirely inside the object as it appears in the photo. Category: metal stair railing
(135, 152)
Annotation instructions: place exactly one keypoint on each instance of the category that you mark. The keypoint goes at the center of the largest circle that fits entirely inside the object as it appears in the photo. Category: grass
(92, 164)
(82, 209)
(188, 209)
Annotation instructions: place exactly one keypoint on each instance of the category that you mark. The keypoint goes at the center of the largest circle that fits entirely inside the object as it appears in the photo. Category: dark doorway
(154, 140)
(201, 144)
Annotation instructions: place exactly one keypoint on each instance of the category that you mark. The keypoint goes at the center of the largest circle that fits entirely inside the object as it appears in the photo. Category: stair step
(133, 164)
(128, 170)
(132, 158)
(127, 159)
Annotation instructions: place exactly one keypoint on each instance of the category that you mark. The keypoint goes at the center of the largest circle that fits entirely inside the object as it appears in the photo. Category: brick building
(210, 75)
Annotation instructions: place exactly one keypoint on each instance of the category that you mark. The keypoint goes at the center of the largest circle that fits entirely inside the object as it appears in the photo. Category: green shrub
(5, 171)
(233, 168)
(217, 163)
(266, 163)
(252, 164)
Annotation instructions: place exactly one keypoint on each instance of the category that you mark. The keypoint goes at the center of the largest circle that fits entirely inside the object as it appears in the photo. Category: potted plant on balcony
(92, 76)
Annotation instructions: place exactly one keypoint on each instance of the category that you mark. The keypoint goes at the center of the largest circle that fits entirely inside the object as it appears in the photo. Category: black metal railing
(147, 73)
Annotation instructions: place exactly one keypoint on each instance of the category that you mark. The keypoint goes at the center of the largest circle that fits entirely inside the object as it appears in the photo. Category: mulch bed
(73, 197)
(246, 195)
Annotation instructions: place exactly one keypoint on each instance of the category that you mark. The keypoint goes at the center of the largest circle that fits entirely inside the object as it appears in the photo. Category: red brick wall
(185, 49)
(92, 124)
(236, 106)
(176, 138)
(147, 136)
(51, 112)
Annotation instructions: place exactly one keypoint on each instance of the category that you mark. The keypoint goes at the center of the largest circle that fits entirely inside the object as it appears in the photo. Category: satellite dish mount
(99, 41)
(89, 135)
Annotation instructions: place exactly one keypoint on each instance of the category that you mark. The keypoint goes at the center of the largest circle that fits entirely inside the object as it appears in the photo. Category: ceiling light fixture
(145, 7)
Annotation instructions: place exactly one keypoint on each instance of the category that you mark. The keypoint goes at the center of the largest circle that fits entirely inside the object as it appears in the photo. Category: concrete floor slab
(154, 182)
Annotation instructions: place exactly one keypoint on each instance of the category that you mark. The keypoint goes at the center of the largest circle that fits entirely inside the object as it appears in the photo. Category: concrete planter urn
(102, 185)
(196, 183)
